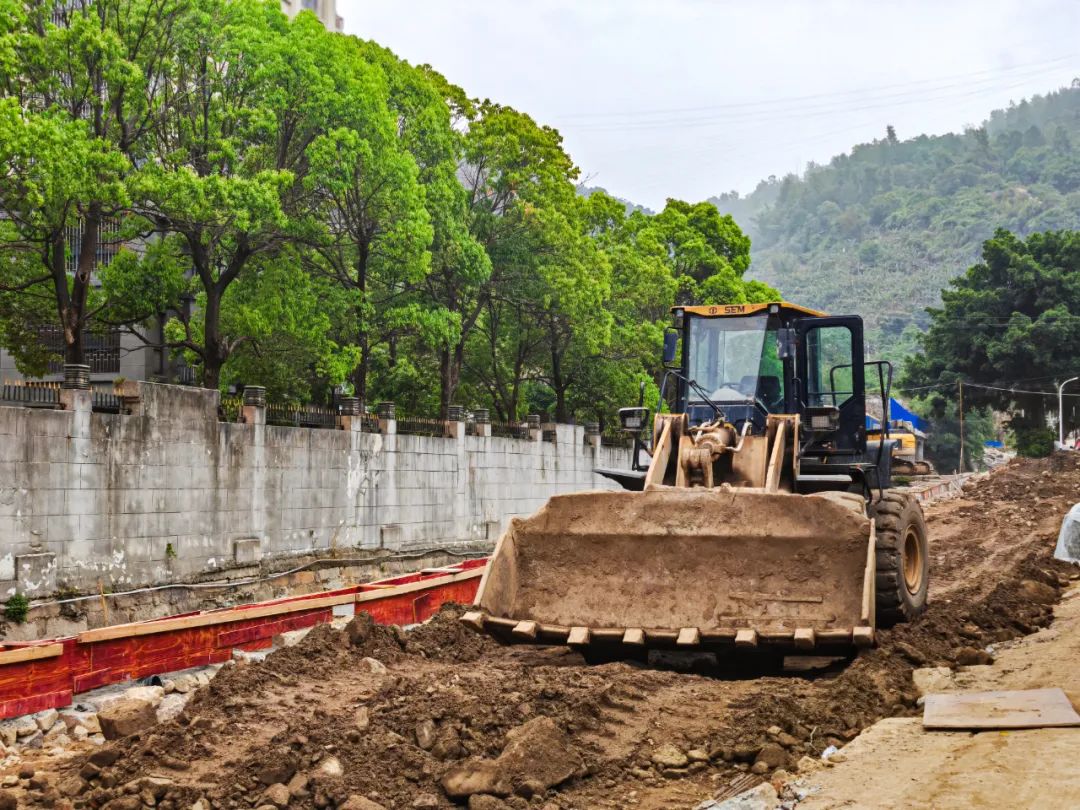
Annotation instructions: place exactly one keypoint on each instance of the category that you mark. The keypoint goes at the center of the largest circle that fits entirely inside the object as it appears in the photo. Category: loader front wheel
(903, 559)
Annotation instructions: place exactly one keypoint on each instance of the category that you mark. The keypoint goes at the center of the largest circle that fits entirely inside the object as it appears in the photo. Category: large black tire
(903, 559)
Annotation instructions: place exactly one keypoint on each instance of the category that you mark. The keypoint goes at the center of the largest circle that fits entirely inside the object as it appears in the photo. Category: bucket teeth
(800, 640)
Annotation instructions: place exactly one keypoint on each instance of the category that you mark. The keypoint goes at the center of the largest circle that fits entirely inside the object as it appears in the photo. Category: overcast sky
(689, 98)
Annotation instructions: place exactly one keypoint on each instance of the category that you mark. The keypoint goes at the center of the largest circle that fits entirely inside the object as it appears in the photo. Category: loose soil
(446, 695)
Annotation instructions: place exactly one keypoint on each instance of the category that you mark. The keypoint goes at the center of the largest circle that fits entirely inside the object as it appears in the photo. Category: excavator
(755, 517)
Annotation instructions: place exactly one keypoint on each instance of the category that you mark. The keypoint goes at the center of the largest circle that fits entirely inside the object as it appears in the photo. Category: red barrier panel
(46, 674)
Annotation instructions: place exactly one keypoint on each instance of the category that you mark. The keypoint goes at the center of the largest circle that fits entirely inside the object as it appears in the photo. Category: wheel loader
(756, 517)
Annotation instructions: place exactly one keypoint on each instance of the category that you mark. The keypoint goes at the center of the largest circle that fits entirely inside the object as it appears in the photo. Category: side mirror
(786, 341)
(671, 345)
(633, 420)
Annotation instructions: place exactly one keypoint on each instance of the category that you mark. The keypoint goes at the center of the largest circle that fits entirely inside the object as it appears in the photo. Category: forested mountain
(881, 230)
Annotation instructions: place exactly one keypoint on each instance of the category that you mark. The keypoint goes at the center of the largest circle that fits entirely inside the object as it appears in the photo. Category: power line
(948, 81)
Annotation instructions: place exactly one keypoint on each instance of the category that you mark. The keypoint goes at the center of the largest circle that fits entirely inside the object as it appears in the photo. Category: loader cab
(742, 362)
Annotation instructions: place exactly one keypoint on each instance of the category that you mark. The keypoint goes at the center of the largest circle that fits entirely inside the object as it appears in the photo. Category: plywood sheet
(1030, 708)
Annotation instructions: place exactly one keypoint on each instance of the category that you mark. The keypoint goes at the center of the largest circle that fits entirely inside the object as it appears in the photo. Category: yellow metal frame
(735, 310)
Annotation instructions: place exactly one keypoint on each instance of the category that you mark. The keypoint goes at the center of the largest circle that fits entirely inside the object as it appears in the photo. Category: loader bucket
(684, 568)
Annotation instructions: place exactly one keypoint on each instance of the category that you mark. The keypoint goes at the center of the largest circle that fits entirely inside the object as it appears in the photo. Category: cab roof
(735, 310)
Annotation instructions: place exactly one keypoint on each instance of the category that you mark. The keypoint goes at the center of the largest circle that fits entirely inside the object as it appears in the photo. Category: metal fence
(312, 416)
(413, 426)
(46, 394)
(510, 430)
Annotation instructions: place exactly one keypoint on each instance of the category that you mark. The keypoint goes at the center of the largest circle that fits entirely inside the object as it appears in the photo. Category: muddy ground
(334, 728)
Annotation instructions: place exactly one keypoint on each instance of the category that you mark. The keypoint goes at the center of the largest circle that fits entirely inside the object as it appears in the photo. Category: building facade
(325, 10)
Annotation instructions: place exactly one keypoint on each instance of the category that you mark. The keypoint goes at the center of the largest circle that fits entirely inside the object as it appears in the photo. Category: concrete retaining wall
(169, 493)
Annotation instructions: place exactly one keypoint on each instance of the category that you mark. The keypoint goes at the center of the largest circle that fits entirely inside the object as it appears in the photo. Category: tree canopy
(304, 210)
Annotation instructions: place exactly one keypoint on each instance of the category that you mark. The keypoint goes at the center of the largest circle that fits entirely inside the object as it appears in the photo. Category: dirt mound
(386, 714)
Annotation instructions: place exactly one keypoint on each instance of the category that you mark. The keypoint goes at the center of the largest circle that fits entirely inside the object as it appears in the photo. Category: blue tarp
(898, 413)
(994, 443)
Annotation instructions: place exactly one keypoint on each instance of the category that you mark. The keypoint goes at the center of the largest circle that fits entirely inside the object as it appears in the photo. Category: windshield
(734, 360)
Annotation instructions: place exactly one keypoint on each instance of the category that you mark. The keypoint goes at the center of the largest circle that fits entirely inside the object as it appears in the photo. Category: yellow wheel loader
(755, 518)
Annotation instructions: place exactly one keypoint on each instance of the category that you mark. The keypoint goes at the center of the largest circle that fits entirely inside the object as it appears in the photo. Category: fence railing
(30, 396)
(413, 426)
(314, 416)
(46, 394)
(510, 430)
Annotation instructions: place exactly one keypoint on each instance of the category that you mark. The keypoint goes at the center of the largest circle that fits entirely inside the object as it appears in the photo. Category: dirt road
(895, 764)
(398, 719)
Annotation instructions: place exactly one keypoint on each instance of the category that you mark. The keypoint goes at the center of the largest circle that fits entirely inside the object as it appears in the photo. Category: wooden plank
(273, 609)
(474, 620)
(634, 636)
(661, 456)
(30, 653)
(776, 459)
(222, 617)
(869, 588)
(578, 636)
(1029, 708)
(746, 638)
(525, 630)
(688, 637)
(805, 638)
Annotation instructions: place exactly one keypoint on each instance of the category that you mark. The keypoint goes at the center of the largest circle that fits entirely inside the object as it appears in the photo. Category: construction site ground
(368, 716)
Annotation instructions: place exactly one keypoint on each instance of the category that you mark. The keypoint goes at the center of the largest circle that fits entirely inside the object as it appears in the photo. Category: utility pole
(1061, 410)
(960, 386)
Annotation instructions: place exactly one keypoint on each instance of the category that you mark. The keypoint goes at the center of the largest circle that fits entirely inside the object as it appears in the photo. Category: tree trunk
(559, 385)
(214, 355)
(450, 361)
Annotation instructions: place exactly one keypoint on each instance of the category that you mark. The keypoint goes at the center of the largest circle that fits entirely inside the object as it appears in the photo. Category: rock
(72, 786)
(331, 766)
(35, 740)
(838, 757)
(787, 740)
(129, 802)
(426, 734)
(762, 797)
(11, 780)
(759, 768)
(426, 800)
(745, 752)
(697, 755)
(359, 628)
(26, 771)
(932, 679)
(537, 751)
(773, 755)
(372, 665)
(448, 745)
(8, 734)
(104, 757)
(89, 771)
(807, 764)
(968, 656)
(25, 726)
(281, 770)
(669, 756)
(298, 784)
(47, 719)
(277, 794)
(170, 707)
(910, 653)
(356, 802)
(481, 802)
(773, 731)
(169, 685)
(202, 678)
(1038, 592)
(185, 683)
(126, 717)
(363, 718)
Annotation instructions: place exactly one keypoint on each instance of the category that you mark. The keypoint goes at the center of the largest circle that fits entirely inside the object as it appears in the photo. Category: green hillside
(881, 230)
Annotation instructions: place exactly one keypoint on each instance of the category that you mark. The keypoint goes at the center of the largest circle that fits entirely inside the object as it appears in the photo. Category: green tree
(1011, 323)
(81, 82)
